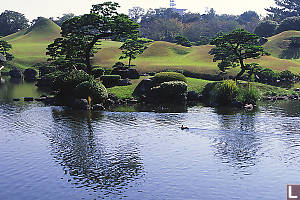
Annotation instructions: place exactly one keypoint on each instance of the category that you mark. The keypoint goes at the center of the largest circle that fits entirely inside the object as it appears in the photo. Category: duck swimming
(184, 127)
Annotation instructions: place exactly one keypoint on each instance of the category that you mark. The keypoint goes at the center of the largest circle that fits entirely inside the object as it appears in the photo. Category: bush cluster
(168, 76)
(228, 92)
(92, 89)
(110, 80)
(97, 72)
(170, 91)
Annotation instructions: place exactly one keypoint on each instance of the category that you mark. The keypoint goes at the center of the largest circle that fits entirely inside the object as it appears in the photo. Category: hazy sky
(55, 8)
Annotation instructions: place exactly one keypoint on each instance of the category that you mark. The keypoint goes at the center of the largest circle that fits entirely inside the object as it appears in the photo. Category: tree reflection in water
(237, 144)
(88, 155)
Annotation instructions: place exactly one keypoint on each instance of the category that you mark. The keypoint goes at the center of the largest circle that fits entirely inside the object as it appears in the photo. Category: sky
(56, 8)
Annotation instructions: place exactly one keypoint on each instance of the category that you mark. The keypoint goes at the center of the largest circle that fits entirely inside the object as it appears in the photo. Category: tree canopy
(12, 22)
(233, 48)
(101, 23)
(4, 48)
(284, 9)
(133, 47)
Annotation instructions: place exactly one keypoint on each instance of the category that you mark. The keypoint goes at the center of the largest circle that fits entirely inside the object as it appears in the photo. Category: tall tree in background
(12, 22)
(131, 48)
(103, 22)
(60, 20)
(233, 48)
(136, 13)
(284, 9)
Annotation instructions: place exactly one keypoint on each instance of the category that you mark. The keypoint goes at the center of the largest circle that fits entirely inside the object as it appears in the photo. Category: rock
(41, 99)
(81, 104)
(15, 73)
(30, 74)
(132, 101)
(16, 99)
(248, 107)
(144, 87)
(28, 98)
(50, 101)
(43, 82)
(125, 82)
(98, 107)
(282, 98)
(237, 104)
(297, 89)
(193, 96)
(109, 103)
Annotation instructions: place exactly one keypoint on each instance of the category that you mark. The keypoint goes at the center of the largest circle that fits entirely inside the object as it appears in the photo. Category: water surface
(57, 153)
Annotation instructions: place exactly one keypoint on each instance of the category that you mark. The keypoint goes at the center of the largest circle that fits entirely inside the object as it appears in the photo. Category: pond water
(57, 153)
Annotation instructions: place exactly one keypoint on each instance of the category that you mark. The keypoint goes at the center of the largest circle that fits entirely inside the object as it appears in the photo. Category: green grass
(29, 47)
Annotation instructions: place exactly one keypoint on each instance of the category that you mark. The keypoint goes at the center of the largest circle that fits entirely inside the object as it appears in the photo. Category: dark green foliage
(225, 92)
(169, 91)
(92, 89)
(66, 82)
(119, 65)
(12, 22)
(286, 76)
(86, 30)
(53, 78)
(110, 80)
(284, 9)
(268, 76)
(168, 76)
(234, 47)
(60, 20)
(182, 40)
(132, 47)
(203, 40)
(247, 17)
(248, 94)
(290, 23)
(266, 28)
(97, 72)
(4, 48)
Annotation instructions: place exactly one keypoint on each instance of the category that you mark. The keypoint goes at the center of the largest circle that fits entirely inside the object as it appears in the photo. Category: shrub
(290, 23)
(267, 76)
(203, 40)
(266, 28)
(97, 72)
(182, 40)
(66, 82)
(110, 80)
(92, 89)
(168, 76)
(248, 95)
(286, 76)
(170, 91)
(80, 66)
(225, 92)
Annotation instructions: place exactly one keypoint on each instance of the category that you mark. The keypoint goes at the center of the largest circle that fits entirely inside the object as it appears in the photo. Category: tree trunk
(242, 69)
(129, 63)
(88, 53)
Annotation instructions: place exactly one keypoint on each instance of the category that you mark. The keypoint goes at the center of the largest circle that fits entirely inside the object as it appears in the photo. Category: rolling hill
(29, 47)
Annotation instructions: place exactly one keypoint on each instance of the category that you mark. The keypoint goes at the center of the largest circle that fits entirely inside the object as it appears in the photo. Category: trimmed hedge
(66, 82)
(110, 80)
(94, 89)
(97, 72)
(168, 76)
(169, 91)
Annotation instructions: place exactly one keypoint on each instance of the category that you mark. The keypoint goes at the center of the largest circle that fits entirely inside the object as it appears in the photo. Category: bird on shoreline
(184, 127)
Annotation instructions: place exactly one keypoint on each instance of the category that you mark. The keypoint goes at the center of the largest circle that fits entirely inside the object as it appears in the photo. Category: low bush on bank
(68, 81)
(228, 92)
(92, 89)
(168, 76)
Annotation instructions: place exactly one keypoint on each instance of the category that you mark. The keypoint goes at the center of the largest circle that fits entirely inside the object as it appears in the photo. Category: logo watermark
(293, 192)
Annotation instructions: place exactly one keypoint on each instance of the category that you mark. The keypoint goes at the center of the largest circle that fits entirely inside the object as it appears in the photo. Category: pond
(57, 153)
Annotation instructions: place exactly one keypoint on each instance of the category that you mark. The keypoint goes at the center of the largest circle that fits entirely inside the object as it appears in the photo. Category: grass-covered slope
(29, 45)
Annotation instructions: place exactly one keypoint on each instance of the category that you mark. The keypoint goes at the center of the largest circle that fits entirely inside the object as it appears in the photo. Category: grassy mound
(29, 45)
